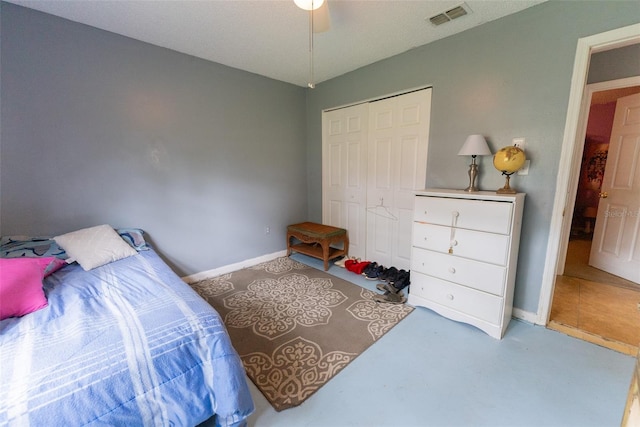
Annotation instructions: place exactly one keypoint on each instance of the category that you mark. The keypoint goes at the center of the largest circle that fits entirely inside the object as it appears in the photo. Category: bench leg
(325, 255)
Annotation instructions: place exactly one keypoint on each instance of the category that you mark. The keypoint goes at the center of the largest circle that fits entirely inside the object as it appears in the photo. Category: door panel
(398, 168)
(344, 173)
(382, 163)
(616, 236)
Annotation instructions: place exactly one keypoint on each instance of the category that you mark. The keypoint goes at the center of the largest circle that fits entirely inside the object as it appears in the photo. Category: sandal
(387, 288)
(391, 297)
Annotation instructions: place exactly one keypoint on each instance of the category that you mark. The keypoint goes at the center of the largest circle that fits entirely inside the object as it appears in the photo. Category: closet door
(397, 163)
(344, 173)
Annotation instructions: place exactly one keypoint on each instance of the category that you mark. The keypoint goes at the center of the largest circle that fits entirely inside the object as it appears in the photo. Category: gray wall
(99, 128)
(508, 78)
(626, 60)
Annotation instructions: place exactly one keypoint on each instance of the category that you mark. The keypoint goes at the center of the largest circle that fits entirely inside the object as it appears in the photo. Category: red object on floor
(355, 266)
(350, 264)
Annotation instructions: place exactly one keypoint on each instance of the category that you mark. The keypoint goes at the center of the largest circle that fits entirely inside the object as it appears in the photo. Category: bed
(124, 343)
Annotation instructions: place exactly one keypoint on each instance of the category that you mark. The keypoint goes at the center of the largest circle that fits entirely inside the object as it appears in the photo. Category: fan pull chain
(311, 83)
(454, 221)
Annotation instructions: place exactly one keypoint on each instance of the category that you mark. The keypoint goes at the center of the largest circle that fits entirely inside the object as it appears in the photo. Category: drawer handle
(452, 270)
(454, 243)
(449, 296)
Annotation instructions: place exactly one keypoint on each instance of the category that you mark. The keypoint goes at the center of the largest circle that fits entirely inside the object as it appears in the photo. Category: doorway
(571, 153)
(590, 303)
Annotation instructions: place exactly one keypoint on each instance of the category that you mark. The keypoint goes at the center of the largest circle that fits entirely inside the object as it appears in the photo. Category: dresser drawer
(476, 245)
(482, 215)
(465, 300)
(473, 274)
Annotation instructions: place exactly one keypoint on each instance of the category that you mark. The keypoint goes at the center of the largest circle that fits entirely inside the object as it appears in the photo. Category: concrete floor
(431, 371)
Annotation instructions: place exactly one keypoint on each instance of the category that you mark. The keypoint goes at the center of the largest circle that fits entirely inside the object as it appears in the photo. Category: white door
(344, 173)
(616, 236)
(397, 164)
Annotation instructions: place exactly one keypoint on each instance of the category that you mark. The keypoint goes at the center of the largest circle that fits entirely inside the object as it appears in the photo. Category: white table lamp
(475, 145)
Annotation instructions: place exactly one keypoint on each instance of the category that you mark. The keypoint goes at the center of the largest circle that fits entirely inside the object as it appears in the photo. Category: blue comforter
(127, 343)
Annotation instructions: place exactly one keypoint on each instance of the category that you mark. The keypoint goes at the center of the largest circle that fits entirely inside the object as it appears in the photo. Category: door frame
(572, 145)
(577, 159)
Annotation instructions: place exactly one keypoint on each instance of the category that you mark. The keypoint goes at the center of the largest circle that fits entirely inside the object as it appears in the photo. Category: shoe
(368, 269)
(391, 297)
(387, 288)
(374, 273)
(385, 273)
(403, 280)
(340, 262)
(391, 276)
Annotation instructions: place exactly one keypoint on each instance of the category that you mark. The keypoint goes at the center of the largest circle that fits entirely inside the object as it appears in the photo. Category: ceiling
(612, 95)
(271, 37)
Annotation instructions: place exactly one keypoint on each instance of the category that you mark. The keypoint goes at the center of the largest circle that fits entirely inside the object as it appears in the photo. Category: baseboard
(527, 316)
(232, 267)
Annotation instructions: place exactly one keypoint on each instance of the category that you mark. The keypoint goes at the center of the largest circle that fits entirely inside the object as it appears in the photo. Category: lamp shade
(475, 145)
(308, 4)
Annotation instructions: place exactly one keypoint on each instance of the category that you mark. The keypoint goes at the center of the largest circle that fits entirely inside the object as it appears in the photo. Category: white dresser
(464, 255)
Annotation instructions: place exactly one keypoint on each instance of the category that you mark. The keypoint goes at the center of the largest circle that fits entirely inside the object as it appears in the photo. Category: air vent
(439, 19)
(450, 15)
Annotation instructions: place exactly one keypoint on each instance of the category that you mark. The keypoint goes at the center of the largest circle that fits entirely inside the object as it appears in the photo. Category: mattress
(128, 343)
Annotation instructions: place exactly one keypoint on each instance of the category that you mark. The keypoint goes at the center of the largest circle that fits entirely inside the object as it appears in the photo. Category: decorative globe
(509, 159)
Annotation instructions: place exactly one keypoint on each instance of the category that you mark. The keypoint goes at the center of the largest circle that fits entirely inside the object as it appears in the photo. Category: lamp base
(473, 173)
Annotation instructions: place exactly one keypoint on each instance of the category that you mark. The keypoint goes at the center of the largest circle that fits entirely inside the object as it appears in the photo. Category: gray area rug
(296, 327)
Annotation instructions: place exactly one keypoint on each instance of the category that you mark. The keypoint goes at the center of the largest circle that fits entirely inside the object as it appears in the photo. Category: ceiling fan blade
(321, 18)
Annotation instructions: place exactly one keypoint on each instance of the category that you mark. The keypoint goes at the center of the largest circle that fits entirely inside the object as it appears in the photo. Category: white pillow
(95, 246)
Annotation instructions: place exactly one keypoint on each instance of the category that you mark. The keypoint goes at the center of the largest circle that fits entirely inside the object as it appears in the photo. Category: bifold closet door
(397, 164)
(374, 157)
(344, 173)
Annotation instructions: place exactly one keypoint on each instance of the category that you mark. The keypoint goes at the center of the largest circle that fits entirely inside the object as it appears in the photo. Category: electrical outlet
(520, 143)
(524, 170)
(267, 230)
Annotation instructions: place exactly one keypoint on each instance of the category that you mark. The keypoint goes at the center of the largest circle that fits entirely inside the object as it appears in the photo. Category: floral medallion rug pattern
(296, 327)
